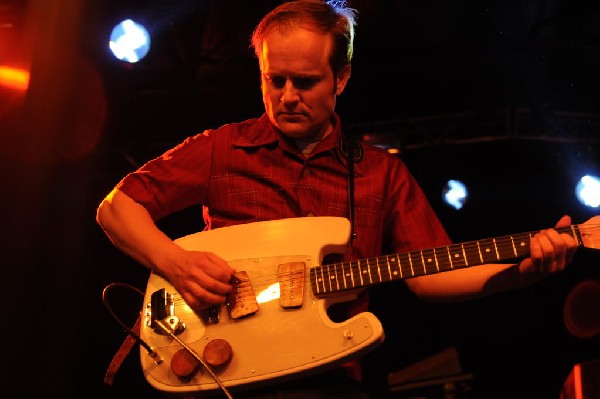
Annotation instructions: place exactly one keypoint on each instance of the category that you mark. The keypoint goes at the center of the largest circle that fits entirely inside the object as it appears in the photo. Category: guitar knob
(184, 364)
(217, 352)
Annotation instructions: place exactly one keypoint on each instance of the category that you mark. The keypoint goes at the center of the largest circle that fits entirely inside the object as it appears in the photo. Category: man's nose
(289, 93)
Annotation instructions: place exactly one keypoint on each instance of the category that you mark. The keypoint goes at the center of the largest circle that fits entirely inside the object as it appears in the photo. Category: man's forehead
(298, 51)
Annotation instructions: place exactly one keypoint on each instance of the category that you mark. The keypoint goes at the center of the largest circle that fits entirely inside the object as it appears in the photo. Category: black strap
(349, 146)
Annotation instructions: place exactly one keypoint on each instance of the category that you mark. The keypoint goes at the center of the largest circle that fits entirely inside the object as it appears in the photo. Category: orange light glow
(14, 78)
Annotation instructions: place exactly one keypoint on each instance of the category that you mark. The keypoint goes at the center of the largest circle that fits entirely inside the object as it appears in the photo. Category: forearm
(131, 229)
(465, 284)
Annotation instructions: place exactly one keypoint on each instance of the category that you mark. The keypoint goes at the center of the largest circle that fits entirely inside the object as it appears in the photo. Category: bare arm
(550, 253)
(201, 278)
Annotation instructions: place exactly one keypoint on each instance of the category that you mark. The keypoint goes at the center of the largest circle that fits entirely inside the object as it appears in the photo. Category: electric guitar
(275, 321)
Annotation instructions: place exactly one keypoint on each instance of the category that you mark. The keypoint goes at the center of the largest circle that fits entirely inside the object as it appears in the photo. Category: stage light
(587, 191)
(129, 41)
(14, 78)
(455, 194)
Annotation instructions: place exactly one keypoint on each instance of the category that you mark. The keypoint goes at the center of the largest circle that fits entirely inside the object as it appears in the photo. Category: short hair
(326, 16)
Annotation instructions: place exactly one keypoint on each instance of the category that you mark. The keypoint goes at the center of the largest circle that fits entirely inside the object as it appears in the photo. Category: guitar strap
(122, 353)
(353, 153)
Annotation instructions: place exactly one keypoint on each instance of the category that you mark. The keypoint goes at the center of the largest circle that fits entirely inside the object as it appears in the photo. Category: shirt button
(306, 173)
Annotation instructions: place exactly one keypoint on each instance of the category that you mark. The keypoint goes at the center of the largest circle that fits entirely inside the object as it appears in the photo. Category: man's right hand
(201, 278)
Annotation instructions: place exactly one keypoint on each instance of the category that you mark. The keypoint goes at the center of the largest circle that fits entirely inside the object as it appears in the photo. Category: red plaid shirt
(246, 172)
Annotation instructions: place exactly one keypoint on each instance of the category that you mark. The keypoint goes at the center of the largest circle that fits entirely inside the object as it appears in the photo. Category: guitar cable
(162, 325)
(125, 327)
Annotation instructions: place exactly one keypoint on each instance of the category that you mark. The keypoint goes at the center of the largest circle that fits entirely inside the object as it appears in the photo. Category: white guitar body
(275, 343)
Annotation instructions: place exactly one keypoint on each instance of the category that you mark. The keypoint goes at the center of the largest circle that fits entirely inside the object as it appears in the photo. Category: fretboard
(362, 273)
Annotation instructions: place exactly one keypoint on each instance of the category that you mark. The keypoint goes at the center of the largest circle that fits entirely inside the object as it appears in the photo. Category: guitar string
(502, 245)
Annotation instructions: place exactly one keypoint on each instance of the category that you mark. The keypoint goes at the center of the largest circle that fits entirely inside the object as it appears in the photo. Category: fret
(496, 249)
(472, 253)
(344, 275)
(360, 275)
(575, 233)
(356, 266)
(394, 259)
(352, 275)
(423, 262)
(328, 276)
(464, 254)
(314, 272)
(368, 272)
(514, 248)
(389, 269)
(378, 269)
(402, 260)
(412, 269)
(336, 277)
(488, 251)
(506, 248)
(430, 264)
(441, 260)
(479, 252)
(455, 253)
(437, 263)
(449, 257)
(522, 245)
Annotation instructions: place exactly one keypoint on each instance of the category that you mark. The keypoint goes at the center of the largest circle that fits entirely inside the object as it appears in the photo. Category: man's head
(304, 49)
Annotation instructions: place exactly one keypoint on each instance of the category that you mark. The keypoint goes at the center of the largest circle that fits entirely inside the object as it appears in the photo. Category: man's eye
(276, 81)
(304, 83)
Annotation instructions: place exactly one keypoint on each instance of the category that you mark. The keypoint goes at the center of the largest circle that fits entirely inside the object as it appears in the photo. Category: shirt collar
(262, 132)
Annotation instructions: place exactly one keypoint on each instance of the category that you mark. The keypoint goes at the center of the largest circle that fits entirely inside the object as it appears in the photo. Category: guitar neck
(343, 276)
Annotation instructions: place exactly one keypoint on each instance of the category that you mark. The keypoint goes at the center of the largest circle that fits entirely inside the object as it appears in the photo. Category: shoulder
(376, 155)
(226, 134)
(232, 129)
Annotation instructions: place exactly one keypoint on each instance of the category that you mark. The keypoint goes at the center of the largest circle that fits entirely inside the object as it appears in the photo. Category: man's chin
(295, 130)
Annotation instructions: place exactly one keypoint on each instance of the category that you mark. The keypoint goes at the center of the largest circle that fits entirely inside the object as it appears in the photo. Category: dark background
(502, 94)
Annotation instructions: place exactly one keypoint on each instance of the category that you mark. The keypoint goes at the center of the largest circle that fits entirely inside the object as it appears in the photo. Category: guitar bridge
(162, 308)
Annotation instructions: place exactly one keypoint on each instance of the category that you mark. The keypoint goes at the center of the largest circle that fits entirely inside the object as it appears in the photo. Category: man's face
(298, 87)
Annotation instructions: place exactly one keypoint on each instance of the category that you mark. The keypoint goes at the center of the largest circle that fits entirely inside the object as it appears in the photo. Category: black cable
(125, 327)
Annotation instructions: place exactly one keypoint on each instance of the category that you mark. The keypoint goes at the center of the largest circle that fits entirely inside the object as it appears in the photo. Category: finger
(550, 256)
(536, 253)
(213, 285)
(219, 269)
(564, 221)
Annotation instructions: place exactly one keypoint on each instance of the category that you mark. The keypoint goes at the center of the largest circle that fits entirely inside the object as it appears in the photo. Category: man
(294, 161)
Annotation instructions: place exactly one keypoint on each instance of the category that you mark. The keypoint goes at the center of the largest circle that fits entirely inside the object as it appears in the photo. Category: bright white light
(588, 191)
(129, 41)
(269, 294)
(455, 194)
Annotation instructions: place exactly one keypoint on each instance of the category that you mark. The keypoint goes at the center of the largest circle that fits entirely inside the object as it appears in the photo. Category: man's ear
(342, 79)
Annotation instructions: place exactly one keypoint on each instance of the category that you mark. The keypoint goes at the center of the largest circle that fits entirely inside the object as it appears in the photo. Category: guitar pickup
(162, 308)
(241, 301)
(291, 284)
